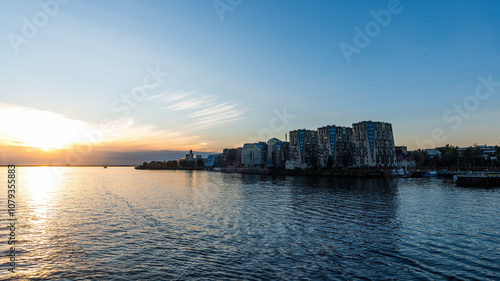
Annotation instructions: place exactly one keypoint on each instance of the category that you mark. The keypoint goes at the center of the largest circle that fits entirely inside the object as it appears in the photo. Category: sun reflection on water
(42, 184)
(41, 195)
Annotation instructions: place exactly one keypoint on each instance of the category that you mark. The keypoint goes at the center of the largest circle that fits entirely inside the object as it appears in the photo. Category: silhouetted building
(191, 161)
(231, 157)
(401, 149)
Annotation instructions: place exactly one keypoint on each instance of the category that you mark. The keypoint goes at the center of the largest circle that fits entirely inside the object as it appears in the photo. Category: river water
(126, 224)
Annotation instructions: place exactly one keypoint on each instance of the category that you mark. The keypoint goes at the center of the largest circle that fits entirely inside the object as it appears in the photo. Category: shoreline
(347, 173)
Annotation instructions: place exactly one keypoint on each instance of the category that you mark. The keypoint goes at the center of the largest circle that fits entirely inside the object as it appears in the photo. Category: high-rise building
(374, 144)
(303, 146)
(335, 142)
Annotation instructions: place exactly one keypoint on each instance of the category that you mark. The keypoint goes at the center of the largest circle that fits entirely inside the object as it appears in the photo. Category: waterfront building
(303, 147)
(254, 154)
(433, 152)
(214, 160)
(231, 157)
(487, 150)
(189, 156)
(374, 144)
(271, 147)
(191, 161)
(335, 142)
(401, 149)
(278, 152)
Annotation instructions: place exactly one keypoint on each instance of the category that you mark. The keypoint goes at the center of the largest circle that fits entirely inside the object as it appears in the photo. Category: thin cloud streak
(178, 95)
(206, 111)
(193, 103)
(154, 97)
(213, 110)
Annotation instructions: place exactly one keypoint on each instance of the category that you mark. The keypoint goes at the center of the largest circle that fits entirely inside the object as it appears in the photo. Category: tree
(186, 164)
(449, 155)
(422, 157)
(329, 162)
(473, 156)
(172, 164)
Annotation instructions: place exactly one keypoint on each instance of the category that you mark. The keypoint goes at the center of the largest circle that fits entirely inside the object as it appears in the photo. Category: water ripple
(123, 224)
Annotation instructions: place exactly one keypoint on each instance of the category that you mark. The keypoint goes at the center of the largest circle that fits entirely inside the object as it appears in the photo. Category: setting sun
(34, 128)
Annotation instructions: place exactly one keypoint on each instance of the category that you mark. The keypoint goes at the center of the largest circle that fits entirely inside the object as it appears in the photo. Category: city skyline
(85, 80)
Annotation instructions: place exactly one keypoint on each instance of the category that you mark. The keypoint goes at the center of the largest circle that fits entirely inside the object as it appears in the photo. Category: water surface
(125, 224)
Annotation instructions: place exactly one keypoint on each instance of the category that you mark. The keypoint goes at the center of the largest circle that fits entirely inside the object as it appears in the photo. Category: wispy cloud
(126, 134)
(178, 95)
(213, 110)
(154, 97)
(192, 103)
(205, 111)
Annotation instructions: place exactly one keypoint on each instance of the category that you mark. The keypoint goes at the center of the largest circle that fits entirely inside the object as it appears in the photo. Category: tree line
(450, 157)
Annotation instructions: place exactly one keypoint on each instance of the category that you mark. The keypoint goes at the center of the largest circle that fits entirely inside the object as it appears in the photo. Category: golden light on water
(40, 188)
(43, 182)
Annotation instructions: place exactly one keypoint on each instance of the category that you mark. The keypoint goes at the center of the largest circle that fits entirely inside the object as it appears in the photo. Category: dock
(478, 180)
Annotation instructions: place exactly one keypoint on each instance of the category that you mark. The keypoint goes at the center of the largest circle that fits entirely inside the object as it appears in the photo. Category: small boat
(430, 174)
(105, 167)
(401, 173)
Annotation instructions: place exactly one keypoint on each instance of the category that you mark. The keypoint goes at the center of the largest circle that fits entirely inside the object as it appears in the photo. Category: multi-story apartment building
(374, 144)
(335, 142)
(231, 157)
(303, 146)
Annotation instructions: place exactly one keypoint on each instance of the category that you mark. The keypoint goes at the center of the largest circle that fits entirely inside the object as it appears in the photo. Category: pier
(478, 180)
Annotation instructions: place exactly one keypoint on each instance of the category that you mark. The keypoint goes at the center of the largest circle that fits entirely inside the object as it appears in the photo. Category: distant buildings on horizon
(367, 144)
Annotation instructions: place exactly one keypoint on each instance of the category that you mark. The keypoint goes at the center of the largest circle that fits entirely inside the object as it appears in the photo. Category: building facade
(278, 152)
(335, 142)
(304, 146)
(374, 144)
(254, 154)
(213, 161)
(231, 157)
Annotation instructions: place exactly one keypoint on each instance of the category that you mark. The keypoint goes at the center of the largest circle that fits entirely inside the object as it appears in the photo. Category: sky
(122, 82)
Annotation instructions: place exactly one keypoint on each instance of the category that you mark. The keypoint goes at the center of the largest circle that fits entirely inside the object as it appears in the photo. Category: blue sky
(230, 72)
